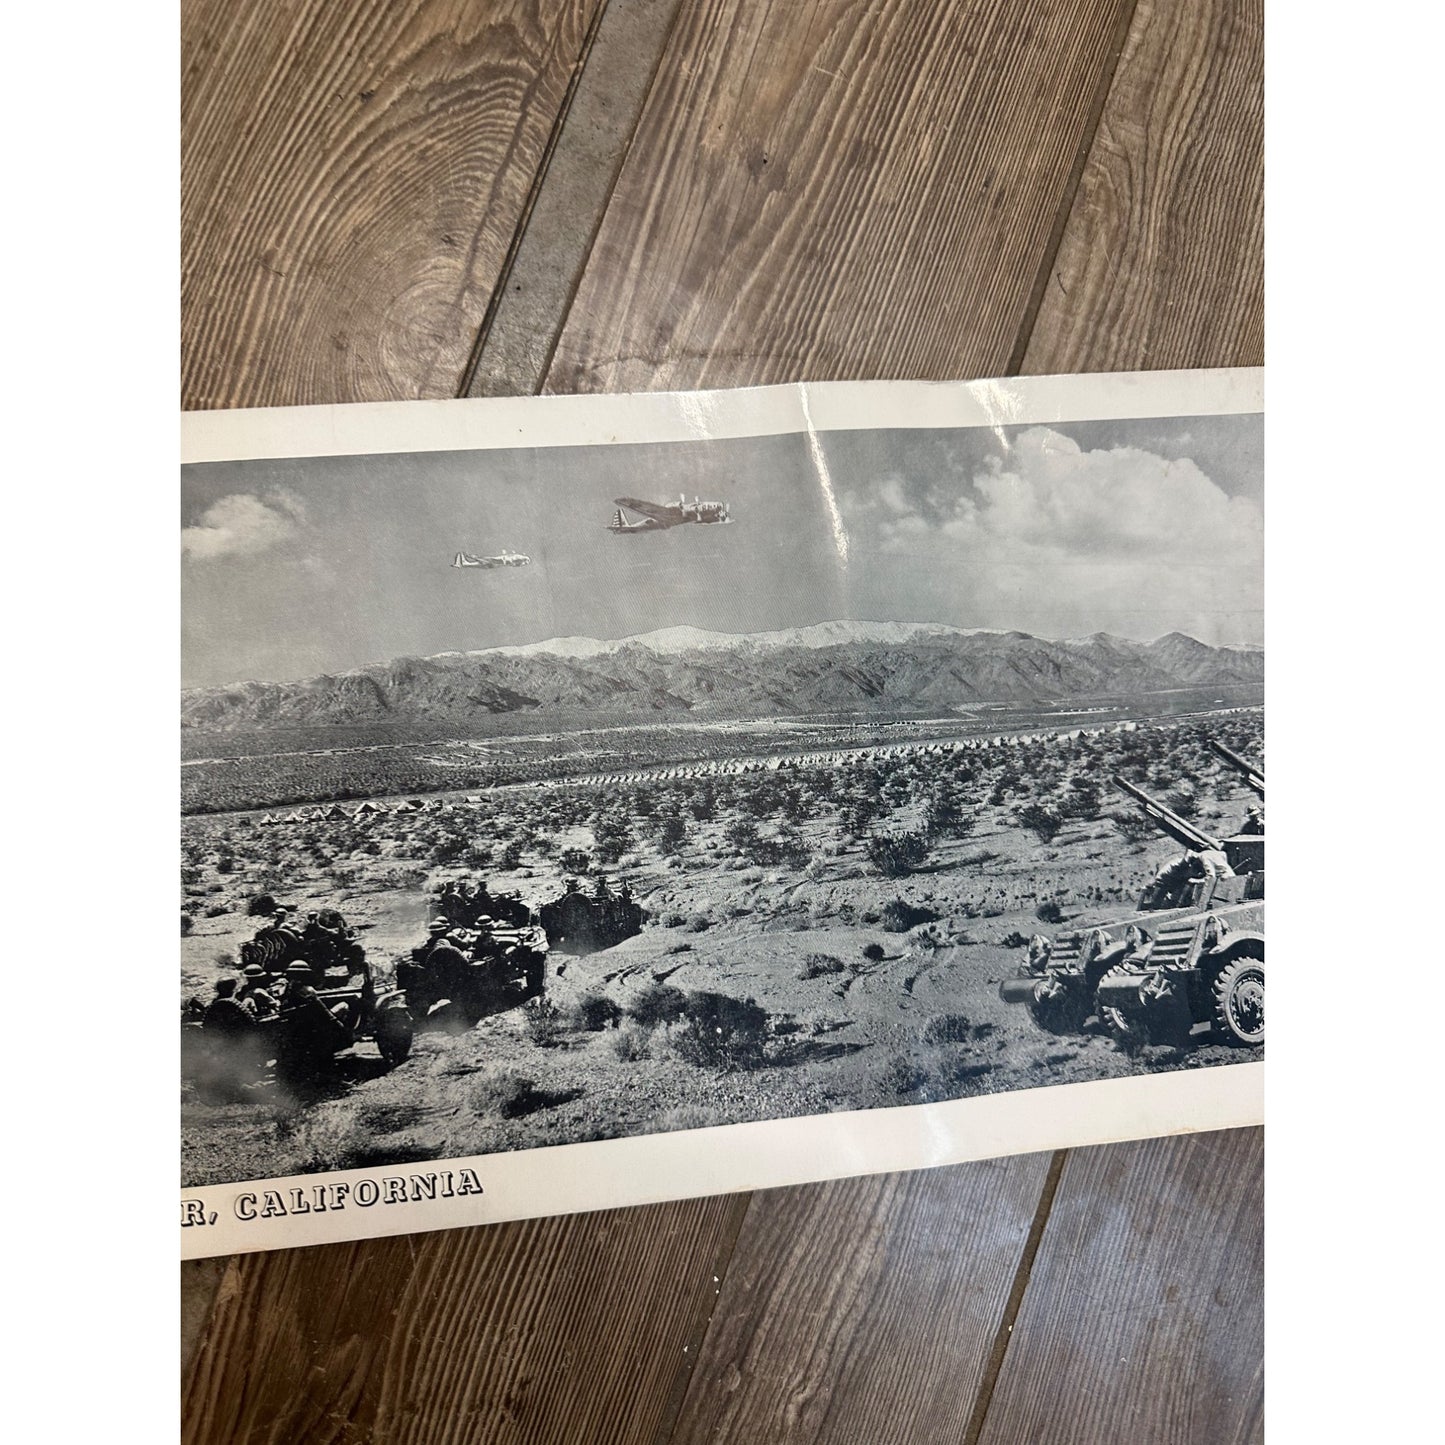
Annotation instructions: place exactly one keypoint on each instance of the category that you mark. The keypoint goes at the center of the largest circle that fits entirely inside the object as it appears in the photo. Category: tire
(1239, 1002)
(1128, 1032)
(1062, 1012)
(393, 1034)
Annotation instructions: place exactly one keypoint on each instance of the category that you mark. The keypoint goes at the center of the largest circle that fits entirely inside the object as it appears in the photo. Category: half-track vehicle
(306, 995)
(482, 954)
(1192, 954)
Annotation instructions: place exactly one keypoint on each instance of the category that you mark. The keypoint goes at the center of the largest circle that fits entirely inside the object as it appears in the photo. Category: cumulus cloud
(242, 525)
(1049, 536)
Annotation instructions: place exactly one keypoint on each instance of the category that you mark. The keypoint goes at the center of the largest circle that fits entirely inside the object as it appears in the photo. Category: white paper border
(496, 423)
(771, 1154)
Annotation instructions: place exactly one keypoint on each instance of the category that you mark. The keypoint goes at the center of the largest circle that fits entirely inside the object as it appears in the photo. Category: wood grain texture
(831, 189)
(863, 1309)
(1142, 1322)
(1162, 260)
(550, 1330)
(531, 305)
(351, 179)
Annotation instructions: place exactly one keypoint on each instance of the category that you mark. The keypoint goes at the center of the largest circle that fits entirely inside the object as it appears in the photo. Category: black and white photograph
(543, 795)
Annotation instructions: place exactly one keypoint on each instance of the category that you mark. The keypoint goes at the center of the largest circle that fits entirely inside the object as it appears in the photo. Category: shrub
(699, 923)
(1040, 820)
(873, 952)
(948, 1029)
(818, 964)
(632, 1042)
(1133, 827)
(217, 909)
(901, 1075)
(945, 814)
(1183, 800)
(658, 1003)
(899, 916)
(543, 1022)
(187, 923)
(505, 1093)
(260, 905)
(1014, 940)
(1049, 912)
(896, 854)
(595, 1012)
(722, 1032)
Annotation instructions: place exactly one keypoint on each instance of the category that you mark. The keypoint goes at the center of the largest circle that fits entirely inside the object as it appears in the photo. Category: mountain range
(834, 666)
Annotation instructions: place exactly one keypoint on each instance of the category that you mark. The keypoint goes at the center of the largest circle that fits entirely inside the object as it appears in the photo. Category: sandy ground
(845, 1030)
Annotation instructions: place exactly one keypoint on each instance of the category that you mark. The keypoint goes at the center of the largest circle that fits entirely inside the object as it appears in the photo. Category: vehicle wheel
(1058, 1009)
(393, 1034)
(1239, 1002)
(1128, 1031)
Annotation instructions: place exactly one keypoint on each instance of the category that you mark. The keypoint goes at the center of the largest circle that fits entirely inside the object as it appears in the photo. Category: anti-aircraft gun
(1253, 776)
(1193, 953)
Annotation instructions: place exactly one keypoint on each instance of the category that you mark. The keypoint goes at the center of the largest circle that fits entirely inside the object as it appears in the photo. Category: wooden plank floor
(768, 191)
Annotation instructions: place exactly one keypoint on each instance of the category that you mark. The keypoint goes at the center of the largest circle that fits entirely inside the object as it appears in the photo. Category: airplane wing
(656, 512)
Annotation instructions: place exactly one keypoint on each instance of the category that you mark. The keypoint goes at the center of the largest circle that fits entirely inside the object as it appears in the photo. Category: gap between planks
(1015, 1298)
(569, 197)
(1071, 191)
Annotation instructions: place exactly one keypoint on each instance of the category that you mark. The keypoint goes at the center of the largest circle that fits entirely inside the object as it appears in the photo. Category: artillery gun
(1192, 954)
(467, 970)
(582, 924)
(312, 998)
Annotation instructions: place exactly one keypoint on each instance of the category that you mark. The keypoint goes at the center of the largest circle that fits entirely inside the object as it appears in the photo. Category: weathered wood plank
(200, 1280)
(830, 190)
(352, 177)
(1162, 260)
(531, 306)
(551, 1330)
(1142, 1321)
(864, 1309)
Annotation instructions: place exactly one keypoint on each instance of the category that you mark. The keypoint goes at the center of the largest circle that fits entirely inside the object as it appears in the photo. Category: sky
(296, 567)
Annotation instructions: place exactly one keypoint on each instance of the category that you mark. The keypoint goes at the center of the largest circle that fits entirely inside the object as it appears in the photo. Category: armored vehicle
(1192, 954)
(303, 999)
(465, 971)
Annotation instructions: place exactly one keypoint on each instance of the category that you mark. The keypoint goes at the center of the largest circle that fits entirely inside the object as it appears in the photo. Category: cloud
(242, 525)
(1048, 536)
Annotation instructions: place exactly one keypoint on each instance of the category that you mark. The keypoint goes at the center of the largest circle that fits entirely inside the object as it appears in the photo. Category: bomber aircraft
(658, 515)
(505, 558)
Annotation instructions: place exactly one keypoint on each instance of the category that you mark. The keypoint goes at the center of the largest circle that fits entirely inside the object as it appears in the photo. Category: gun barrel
(1180, 829)
(1252, 775)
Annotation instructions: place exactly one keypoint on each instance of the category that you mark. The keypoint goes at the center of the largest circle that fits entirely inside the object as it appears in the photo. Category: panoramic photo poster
(589, 801)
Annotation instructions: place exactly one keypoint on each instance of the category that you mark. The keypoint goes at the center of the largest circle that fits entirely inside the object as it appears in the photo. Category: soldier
(253, 995)
(1253, 820)
(301, 993)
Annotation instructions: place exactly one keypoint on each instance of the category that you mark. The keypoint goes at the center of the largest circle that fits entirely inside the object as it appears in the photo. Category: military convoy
(308, 992)
(1192, 954)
